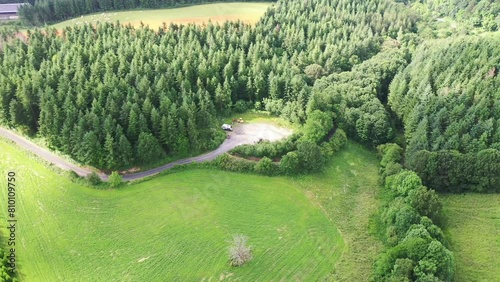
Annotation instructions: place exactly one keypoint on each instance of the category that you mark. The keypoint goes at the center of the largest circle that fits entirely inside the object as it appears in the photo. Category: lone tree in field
(239, 252)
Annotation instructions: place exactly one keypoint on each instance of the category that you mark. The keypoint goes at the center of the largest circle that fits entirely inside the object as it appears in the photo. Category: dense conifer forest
(111, 96)
(477, 13)
(449, 101)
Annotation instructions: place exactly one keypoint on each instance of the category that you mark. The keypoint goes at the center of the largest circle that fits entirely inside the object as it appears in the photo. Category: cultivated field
(217, 13)
(471, 223)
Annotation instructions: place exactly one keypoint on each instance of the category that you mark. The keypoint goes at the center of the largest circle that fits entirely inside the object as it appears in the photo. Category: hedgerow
(416, 246)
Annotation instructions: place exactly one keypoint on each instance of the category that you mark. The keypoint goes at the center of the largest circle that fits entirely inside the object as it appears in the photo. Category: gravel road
(245, 133)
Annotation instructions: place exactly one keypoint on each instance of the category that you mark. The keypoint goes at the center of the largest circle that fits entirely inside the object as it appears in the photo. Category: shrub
(115, 179)
(266, 166)
(391, 169)
(390, 162)
(310, 156)
(390, 153)
(290, 163)
(239, 252)
(73, 176)
(227, 162)
(240, 106)
(268, 149)
(338, 140)
(275, 107)
(93, 179)
(326, 150)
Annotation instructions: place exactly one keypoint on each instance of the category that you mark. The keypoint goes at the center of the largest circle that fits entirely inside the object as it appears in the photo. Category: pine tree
(124, 151)
(148, 148)
(109, 152)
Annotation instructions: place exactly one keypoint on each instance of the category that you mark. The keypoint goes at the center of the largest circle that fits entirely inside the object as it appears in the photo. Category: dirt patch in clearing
(249, 133)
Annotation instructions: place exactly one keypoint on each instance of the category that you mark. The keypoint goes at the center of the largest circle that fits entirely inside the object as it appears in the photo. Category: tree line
(416, 247)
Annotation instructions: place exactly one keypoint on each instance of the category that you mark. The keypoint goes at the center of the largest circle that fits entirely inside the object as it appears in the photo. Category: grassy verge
(471, 223)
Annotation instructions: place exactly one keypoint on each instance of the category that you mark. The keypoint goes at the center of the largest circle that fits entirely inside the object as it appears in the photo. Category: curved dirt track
(246, 133)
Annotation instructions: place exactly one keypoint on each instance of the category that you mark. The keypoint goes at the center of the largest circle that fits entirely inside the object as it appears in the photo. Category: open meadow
(198, 14)
(347, 191)
(471, 223)
(178, 226)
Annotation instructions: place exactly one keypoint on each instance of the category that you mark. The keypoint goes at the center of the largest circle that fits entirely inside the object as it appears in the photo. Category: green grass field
(177, 227)
(471, 223)
(217, 13)
(348, 193)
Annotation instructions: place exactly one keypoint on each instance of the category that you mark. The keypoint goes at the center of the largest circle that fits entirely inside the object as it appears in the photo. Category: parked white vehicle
(227, 127)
